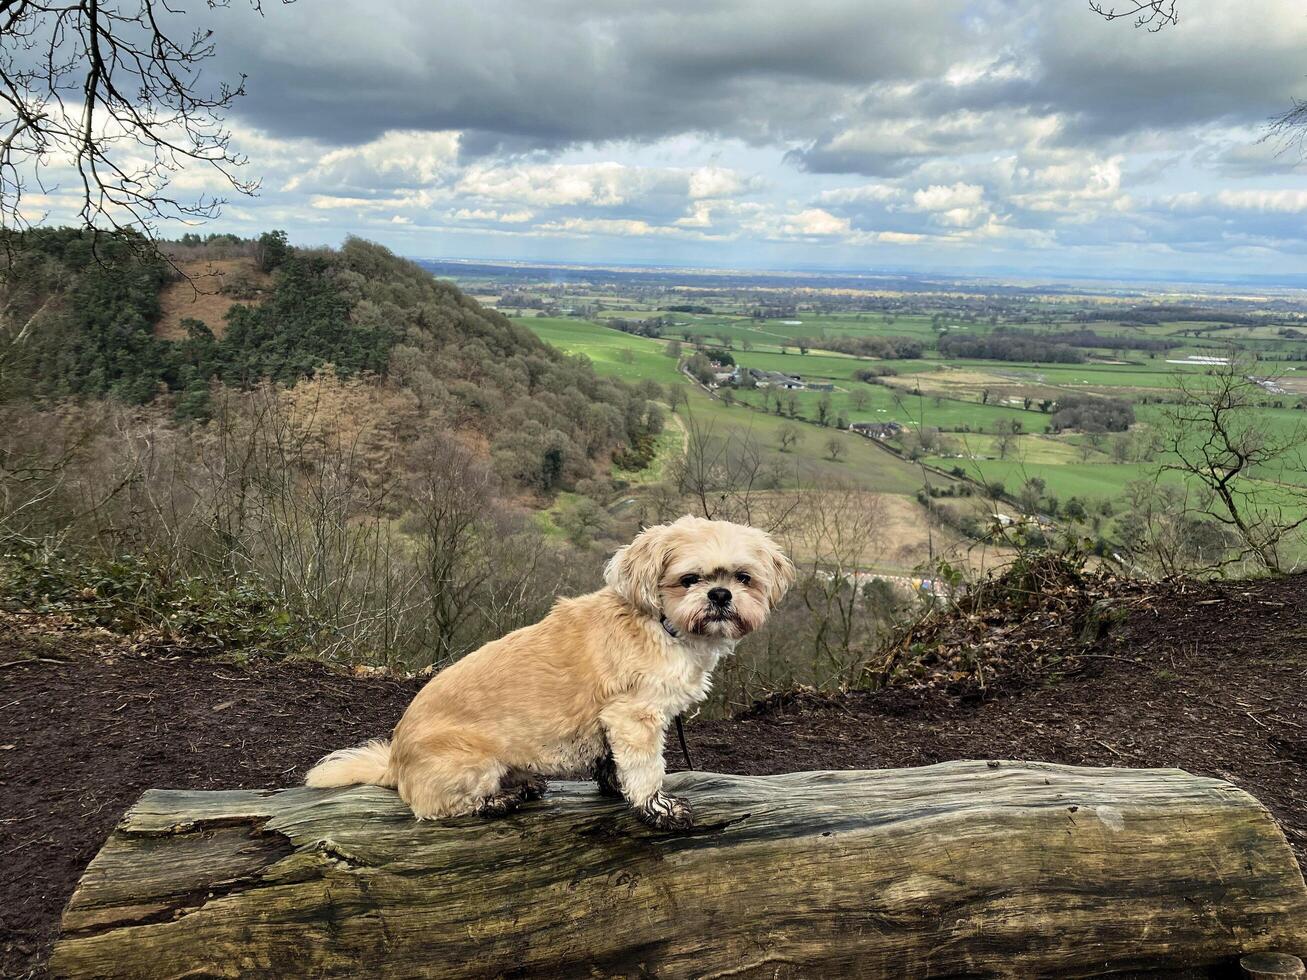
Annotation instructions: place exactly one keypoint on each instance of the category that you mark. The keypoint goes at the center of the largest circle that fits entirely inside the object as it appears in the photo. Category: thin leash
(675, 634)
(680, 733)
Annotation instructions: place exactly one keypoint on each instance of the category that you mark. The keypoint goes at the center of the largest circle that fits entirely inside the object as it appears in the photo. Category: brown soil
(1210, 678)
(85, 729)
(199, 295)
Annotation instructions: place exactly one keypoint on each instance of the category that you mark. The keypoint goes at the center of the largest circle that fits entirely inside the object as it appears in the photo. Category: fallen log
(961, 869)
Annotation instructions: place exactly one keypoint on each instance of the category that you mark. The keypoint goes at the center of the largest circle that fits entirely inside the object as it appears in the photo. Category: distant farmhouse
(876, 430)
(774, 379)
(726, 377)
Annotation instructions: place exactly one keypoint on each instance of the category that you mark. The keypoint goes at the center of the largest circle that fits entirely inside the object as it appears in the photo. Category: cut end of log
(1272, 966)
(1014, 869)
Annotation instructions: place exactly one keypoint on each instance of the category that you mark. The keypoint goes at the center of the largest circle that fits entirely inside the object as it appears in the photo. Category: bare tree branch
(1153, 15)
(105, 94)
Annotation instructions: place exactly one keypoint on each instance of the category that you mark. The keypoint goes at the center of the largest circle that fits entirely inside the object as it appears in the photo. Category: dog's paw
(534, 787)
(501, 804)
(663, 812)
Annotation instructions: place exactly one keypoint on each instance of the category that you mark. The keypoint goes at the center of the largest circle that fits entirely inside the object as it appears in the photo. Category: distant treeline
(1088, 338)
(774, 312)
(1009, 345)
(886, 348)
(870, 375)
(689, 308)
(1013, 344)
(652, 327)
(1168, 313)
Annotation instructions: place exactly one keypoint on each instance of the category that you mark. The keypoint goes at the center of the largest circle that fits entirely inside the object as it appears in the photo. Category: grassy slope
(604, 347)
(863, 464)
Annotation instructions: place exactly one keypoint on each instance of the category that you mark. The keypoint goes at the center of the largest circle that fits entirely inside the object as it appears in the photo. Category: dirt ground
(1211, 678)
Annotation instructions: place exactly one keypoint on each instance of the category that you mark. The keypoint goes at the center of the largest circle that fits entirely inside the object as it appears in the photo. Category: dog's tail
(346, 767)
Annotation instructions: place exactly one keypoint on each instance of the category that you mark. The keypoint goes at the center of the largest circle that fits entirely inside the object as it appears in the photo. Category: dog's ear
(635, 570)
(782, 572)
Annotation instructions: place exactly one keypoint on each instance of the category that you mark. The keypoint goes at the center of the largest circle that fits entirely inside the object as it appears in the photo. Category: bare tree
(111, 90)
(836, 531)
(1253, 470)
(1163, 534)
(1005, 441)
(788, 436)
(726, 477)
(453, 518)
(676, 397)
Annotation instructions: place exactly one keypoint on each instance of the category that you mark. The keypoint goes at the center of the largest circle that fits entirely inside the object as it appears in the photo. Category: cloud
(717, 182)
(891, 145)
(865, 129)
(1257, 201)
(395, 159)
(815, 222)
(593, 185)
(490, 215)
(517, 75)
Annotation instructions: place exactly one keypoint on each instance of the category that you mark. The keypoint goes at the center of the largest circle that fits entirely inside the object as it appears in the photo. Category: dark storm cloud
(1223, 63)
(522, 75)
(1103, 83)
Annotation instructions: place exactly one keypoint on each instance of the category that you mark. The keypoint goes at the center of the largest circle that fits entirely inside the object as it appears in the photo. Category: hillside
(110, 320)
(1210, 678)
(352, 464)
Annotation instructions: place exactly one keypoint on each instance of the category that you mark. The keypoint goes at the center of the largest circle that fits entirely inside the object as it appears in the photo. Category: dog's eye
(689, 580)
(744, 578)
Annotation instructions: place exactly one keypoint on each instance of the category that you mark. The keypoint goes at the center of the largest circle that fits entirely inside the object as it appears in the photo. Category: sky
(932, 135)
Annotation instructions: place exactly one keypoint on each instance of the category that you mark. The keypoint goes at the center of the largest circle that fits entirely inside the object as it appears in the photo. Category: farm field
(612, 352)
(861, 462)
(982, 422)
(1093, 482)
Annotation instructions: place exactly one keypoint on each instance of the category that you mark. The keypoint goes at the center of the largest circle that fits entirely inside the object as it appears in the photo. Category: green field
(968, 401)
(1093, 481)
(862, 463)
(611, 351)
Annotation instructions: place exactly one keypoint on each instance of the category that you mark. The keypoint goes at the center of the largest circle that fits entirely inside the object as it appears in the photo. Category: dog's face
(706, 578)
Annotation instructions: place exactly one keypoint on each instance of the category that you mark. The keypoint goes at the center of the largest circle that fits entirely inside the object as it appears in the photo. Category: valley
(948, 385)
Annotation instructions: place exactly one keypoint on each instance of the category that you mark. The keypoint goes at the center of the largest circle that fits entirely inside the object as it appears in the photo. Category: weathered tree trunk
(961, 869)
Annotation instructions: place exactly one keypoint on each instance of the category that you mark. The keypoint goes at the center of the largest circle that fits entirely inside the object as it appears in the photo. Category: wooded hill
(79, 312)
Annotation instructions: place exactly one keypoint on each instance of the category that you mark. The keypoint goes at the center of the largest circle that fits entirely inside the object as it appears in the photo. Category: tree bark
(956, 870)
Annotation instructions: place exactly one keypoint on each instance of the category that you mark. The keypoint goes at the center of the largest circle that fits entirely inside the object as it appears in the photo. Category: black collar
(669, 629)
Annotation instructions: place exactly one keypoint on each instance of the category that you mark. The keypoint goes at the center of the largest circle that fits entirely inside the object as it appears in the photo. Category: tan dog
(590, 688)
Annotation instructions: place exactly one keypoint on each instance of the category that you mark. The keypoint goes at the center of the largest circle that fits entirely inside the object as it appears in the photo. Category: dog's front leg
(635, 734)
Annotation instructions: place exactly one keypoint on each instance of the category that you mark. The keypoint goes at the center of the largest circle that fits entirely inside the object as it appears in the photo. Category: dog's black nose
(719, 596)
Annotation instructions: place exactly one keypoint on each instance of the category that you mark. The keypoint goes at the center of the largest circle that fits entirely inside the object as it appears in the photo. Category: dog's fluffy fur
(591, 687)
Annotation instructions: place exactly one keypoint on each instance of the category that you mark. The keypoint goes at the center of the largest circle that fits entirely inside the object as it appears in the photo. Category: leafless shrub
(388, 546)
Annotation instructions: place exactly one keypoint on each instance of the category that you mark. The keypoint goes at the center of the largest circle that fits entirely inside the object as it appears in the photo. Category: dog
(591, 688)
